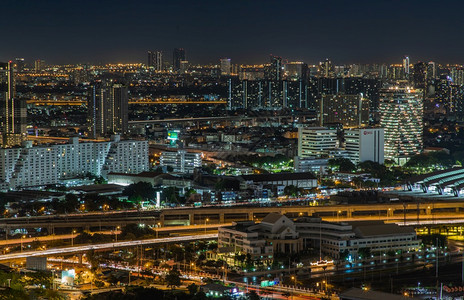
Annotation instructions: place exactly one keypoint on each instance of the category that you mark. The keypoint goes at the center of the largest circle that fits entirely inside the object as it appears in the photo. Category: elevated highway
(226, 214)
(105, 246)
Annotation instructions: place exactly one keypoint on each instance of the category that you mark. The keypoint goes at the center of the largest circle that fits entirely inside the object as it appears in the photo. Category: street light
(205, 224)
(116, 233)
(22, 237)
(157, 228)
(294, 285)
(72, 238)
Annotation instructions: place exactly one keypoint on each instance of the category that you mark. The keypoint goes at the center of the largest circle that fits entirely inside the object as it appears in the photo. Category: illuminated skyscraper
(177, 56)
(225, 66)
(155, 60)
(406, 66)
(108, 109)
(12, 110)
(401, 112)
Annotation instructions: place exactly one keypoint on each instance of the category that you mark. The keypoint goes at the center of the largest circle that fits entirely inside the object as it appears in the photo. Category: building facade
(401, 113)
(29, 165)
(155, 60)
(108, 111)
(12, 110)
(181, 161)
(365, 144)
(348, 110)
(316, 141)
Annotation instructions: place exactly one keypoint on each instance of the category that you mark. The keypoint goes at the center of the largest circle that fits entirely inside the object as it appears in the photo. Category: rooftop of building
(98, 188)
(360, 294)
(142, 174)
(279, 177)
(381, 229)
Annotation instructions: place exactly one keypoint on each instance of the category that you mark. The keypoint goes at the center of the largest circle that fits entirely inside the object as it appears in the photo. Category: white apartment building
(315, 141)
(181, 161)
(365, 144)
(30, 165)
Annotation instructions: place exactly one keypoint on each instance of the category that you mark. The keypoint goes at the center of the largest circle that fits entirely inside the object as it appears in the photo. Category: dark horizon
(247, 32)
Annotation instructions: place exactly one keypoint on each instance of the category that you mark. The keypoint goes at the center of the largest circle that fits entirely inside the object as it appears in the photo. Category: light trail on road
(57, 251)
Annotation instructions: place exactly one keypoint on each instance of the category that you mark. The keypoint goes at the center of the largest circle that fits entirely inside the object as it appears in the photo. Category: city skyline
(245, 32)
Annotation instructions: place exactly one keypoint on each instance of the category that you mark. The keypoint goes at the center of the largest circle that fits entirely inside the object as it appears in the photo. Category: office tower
(19, 62)
(406, 65)
(365, 144)
(457, 75)
(431, 71)
(12, 110)
(274, 70)
(296, 70)
(325, 68)
(401, 112)
(225, 66)
(348, 110)
(155, 60)
(108, 109)
(184, 64)
(420, 75)
(177, 56)
(316, 141)
(39, 65)
(181, 161)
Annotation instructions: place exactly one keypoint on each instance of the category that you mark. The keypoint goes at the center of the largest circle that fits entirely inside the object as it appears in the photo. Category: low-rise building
(278, 234)
(335, 238)
(304, 180)
(181, 161)
(275, 234)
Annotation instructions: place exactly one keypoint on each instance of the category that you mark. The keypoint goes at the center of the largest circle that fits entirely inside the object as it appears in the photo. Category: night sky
(96, 31)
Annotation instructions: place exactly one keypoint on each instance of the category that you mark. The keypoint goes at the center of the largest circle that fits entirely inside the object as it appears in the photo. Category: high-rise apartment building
(19, 62)
(274, 71)
(431, 70)
(406, 65)
(39, 65)
(12, 110)
(155, 60)
(325, 68)
(178, 55)
(108, 108)
(364, 144)
(29, 165)
(316, 141)
(296, 71)
(225, 66)
(348, 110)
(401, 113)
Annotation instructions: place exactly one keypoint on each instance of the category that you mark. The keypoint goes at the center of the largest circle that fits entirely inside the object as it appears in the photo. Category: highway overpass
(227, 214)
